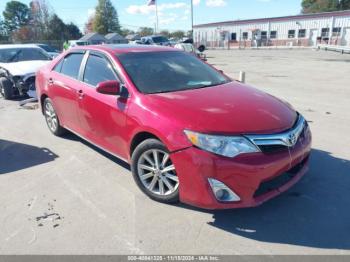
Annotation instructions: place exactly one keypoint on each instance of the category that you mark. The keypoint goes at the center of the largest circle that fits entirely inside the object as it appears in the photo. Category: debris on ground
(50, 217)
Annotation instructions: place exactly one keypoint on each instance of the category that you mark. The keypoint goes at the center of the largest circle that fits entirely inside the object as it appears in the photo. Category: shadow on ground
(116, 160)
(16, 156)
(314, 213)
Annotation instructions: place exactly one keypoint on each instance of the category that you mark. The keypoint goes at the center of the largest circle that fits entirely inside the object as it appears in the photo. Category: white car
(18, 65)
(49, 49)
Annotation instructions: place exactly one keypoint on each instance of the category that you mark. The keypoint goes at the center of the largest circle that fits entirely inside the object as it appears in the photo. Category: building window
(233, 36)
(245, 35)
(273, 34)
(325, 32)
(336, 31)
(302, 33)
(263, 35)
(291, 33)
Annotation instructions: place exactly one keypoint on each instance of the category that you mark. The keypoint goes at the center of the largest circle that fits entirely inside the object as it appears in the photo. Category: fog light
(222, 192)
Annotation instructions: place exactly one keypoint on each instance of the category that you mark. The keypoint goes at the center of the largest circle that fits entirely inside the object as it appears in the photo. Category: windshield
(47, 48)
(160, 72)
(159, 39)
(11, 55)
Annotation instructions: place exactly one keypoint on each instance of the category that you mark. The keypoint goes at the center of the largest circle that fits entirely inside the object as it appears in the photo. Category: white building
(300, 30)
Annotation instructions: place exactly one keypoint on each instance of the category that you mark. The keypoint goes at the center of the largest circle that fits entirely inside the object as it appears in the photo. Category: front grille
(269, 149)
(279, 181)
(270, 143)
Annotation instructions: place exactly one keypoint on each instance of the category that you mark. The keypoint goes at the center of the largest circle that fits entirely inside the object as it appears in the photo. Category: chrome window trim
(288, 138)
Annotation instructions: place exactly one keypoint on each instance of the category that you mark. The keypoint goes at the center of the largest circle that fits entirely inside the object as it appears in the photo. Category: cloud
(145, 9)
(139, 9)
(172, 6)
(91, 12)
(196, 2)
(216, 3)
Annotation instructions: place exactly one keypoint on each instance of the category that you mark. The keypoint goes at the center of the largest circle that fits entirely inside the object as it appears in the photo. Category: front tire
(154, 172)
(51, 118)
(6, 88)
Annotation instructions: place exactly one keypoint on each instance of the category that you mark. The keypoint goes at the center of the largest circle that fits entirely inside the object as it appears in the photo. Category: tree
(319, 6)
(345, 4)
(40, 15)
(89, 25)
(144, 31)
(125, 32)
(3, 33)
(16, 15)
(165, 33)
(106, 18)
(56, 28)
(23, 34)
(72, 31)
(178, 34)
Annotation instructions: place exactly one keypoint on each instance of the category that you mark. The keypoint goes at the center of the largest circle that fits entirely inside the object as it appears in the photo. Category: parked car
(155, 40)
(49, 49)
(18, 65)
(189, 132)
(200, 47)
(189, 48)
(74, 43)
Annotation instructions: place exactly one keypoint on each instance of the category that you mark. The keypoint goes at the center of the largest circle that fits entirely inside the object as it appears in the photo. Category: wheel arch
(42, 99)
(139, 138)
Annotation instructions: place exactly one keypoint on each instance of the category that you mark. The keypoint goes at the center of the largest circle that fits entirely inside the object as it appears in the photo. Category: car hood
(24, 67)
(232, 108)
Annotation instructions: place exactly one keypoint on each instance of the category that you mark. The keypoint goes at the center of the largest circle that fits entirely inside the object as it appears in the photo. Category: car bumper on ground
(255, 178)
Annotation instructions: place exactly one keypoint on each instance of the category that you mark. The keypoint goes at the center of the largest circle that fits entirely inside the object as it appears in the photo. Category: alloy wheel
(157, 173)
(51, 117)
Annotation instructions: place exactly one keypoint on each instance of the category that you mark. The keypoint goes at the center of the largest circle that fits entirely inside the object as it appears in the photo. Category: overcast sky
(174, 14)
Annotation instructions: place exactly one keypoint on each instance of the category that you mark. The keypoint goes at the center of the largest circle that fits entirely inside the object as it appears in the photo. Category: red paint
(112, 122)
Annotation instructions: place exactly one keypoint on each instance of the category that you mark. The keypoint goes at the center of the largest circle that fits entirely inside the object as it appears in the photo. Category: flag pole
(157, 29)
(192, 20)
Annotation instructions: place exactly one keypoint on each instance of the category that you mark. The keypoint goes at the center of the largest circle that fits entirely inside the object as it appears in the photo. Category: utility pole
(192, 20)
(157, 23)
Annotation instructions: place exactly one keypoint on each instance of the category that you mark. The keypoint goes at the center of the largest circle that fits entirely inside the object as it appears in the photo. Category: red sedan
(189, 132)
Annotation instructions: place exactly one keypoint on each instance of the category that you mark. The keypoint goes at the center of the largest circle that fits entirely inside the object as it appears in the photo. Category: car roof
(127, 48)
(18, 46)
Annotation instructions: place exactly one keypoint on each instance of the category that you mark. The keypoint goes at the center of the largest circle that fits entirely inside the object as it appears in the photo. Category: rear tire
(154, 172)
(6, 88)
(51, 118)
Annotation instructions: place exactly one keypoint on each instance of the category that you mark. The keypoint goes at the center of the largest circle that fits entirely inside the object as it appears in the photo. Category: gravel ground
(63, 196)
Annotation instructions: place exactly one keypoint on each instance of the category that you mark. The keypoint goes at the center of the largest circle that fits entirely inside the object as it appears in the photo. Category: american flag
(151, 2)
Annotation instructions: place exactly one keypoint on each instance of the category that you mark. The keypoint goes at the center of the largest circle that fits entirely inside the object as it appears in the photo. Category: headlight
(229, 146)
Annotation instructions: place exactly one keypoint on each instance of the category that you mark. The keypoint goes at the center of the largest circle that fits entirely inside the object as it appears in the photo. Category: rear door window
(98, 70)
(71, 65)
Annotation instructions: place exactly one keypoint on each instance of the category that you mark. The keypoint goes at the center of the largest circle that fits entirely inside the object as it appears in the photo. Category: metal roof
(276, 19)
(92, 36)
(114, 36)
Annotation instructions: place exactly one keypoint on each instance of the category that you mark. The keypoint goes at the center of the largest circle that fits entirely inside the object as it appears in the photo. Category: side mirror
(109, 87)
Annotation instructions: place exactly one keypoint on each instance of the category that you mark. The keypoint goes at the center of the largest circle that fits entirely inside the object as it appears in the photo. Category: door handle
(50, 81)
(80, 94)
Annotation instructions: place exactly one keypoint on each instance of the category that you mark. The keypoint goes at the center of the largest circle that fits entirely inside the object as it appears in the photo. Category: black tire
(6, 88)
(201, 48)
(144, 147)
(51, 116)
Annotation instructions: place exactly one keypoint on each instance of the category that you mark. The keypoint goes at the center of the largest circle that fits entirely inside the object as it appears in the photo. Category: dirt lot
(62, 196)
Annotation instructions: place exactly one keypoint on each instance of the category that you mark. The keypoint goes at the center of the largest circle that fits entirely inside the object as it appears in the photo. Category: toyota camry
(189, 132)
